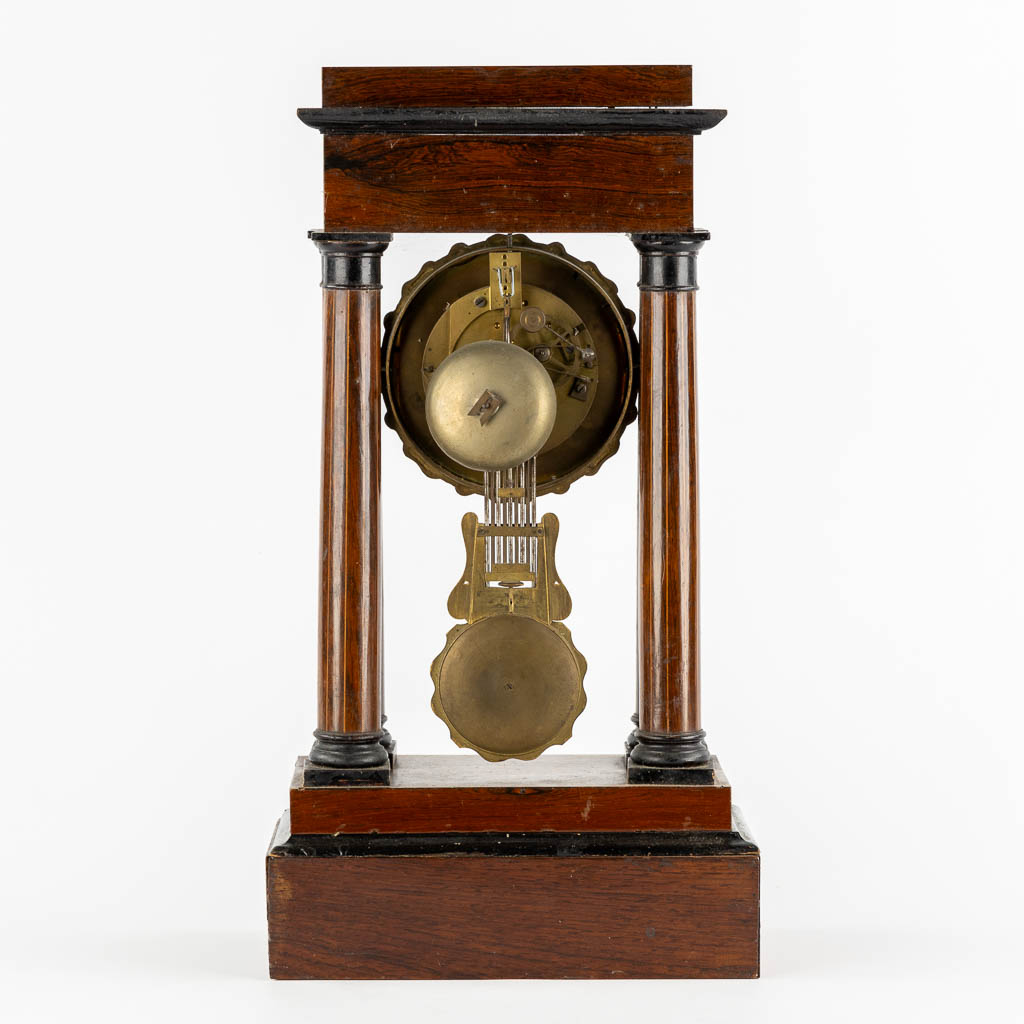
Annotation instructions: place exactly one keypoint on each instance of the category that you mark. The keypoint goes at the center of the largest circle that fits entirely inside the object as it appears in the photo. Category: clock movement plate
(568, 316)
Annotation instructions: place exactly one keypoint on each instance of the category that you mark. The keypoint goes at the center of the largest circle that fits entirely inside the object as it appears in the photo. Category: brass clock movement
(510, 371)
(561, 311)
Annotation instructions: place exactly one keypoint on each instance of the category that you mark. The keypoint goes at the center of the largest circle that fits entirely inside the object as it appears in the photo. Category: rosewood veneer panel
(478, 915)
(658, 85)
(450, 793)
(488, 183)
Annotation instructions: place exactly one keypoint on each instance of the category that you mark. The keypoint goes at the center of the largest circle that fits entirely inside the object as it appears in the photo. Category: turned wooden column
(668, 740)
(349, 734)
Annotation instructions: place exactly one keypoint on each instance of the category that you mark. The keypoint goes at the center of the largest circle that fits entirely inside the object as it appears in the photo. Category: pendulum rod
(510, 495)
(510, 499)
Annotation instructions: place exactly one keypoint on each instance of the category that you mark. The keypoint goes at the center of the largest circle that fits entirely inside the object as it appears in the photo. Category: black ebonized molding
(690, 843)
(510, 120)
(350, 261)
(347, 759)
(669, 262)
(645, 775)
(670, 759)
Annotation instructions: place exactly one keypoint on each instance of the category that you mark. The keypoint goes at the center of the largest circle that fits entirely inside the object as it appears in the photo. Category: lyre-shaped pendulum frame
(509, 682)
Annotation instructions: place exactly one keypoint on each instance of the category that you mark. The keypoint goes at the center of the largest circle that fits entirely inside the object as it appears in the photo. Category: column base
(679, 759)
(346, 759)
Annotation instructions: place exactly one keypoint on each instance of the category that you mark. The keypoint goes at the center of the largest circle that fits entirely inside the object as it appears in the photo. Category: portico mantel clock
(510, 369)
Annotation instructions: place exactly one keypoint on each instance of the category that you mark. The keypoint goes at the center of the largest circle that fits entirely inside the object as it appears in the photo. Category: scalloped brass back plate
(464, 274)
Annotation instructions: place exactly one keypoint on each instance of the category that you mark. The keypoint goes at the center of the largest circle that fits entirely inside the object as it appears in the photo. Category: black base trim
(692, 843)
(644, 775)
(314, 777)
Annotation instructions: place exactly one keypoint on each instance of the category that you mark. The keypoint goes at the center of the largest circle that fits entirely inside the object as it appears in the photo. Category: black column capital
(350, 260)
(668, 263)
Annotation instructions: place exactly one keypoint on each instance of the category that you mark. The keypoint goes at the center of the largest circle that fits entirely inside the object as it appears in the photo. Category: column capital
(668, 262)
(350, 260)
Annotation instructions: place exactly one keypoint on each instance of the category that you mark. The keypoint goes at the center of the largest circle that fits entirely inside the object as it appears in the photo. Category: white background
(860, 363)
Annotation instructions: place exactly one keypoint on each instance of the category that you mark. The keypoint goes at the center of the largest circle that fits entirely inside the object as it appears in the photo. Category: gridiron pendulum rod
(515, 512)
(519, 512)
(487, 521)
(517, 507)
(522, 511)
(503, 515)
(506, 296)
(509, 474)
(512, 512)
(526, 511)
(518, 504)
(533, 498)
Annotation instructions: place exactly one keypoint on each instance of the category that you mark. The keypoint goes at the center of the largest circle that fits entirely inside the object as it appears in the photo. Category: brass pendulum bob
(509, 682)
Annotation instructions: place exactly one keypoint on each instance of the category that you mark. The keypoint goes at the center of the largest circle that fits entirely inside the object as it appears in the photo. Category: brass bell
(490, 405)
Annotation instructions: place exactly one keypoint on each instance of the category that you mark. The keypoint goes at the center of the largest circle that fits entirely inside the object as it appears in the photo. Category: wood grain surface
(508, 183)
(668, 609)
(641, 85)
(561, 793)
(514, 917)
(349, 687)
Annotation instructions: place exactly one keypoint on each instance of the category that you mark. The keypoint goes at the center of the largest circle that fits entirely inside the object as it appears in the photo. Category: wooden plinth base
(528, 905)
(557, 793)
(550, 869)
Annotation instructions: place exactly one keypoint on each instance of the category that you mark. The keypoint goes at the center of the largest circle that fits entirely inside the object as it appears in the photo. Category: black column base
(677, 760)
(347, 758)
